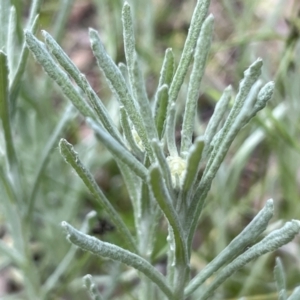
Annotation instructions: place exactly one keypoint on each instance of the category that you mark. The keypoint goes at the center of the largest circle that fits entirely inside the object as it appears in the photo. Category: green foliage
(167, 182)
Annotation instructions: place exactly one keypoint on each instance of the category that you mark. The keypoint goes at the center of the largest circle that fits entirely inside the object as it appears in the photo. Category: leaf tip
(62, 141)
(93, 33)
(228, 88)
(87, 280)
(27, 33)
(65, 226)
(126, 6)
(44, 33)
(210, 18)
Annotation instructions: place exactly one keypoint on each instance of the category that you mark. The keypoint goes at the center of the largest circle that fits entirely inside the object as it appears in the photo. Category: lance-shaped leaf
(225, 137)
(162, 93)
(270, 243)
(118, 85)
(61, 19)
(222, 144)
(71, 157)
(250, 101)
(135, 75)
(11, 155)
(198, 17)
(201, 54)
(4, 15)
(5, 111)
(91, 287)
(216, 118)
(163, 164)
(192, 167)
(256, 227)
(280, 279)
(107, 250)
(161, 106)
(10, 45)
(124, 70)
(170, 132)
(82, 82)
(264, 95)
(164, 201)
(133, 184)
(15, 84)
(167, 69)
(63, 59)
(34, 11)
(57, 74)
(127, 131)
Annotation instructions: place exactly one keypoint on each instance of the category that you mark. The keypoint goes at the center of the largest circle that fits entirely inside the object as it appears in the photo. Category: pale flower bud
(137, 140)
(177, 167)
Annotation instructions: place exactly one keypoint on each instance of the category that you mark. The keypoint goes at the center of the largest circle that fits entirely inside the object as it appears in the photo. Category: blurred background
(263, 163)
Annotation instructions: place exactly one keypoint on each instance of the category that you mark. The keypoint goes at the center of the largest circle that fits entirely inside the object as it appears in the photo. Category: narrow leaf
(264, 95)
(163, 164)
(167, 69)
(280, 279)
(222, 144)
(170, 133)
(228, 131)
(127, 131)
(4, 17)
(33, 13)
(118, 85)
(5, 109)
(15, 83)
(201, 54)
(11, 42)
(124, 71)
(270, 243)
(133, 184)
(135, 74)
(193, 163)
(89, 284)
(82, 82)
(198, 17)
(161, 106)
(59, 25)
(107, 250)
(57, 74)
(165, 202)
(71, 157)
(216, 118)
(253, 230)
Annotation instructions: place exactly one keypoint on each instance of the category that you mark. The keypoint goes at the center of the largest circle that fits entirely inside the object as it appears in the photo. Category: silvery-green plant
(26, 145)
(280, 279)
(162, 178)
